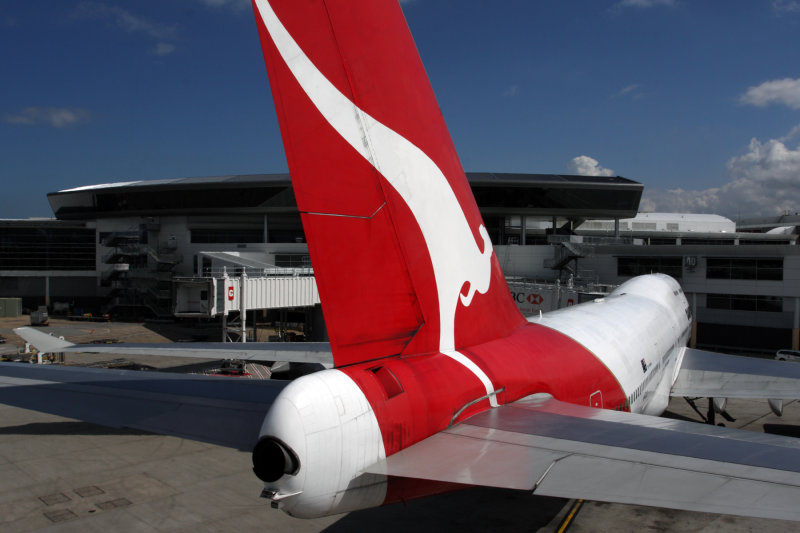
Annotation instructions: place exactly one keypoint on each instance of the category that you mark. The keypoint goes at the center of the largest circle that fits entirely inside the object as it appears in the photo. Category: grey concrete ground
(59, 475)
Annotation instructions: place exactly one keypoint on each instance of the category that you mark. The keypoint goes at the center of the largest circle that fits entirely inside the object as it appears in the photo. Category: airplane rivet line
(363, 217)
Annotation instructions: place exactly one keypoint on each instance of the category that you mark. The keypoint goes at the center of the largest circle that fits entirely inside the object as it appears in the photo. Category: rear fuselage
(618, 352)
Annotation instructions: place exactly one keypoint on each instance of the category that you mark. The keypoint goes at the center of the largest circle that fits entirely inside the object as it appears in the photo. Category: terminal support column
(243, 304)
(796, 324)
(693, 338)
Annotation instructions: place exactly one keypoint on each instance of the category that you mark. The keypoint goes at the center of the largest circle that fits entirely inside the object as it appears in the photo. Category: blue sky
(698, 100)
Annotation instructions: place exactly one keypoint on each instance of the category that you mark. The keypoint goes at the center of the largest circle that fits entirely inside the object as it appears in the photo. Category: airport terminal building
(137, 249)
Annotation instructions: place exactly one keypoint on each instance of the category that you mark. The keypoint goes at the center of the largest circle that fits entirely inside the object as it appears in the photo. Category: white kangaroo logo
(454, 253)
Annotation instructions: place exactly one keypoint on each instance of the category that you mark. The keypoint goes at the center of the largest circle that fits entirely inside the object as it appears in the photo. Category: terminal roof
(496, 193)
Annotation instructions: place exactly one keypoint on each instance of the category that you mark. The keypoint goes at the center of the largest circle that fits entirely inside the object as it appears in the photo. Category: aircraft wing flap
(716, 375)
(291, 352)
(263, 351)
(219, 410)
(557, 449)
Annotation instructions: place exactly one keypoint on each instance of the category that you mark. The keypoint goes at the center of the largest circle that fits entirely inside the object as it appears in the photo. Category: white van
(787, 355)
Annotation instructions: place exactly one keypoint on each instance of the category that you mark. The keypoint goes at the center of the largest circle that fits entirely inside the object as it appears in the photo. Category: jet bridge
(212, 296)
(238, 283)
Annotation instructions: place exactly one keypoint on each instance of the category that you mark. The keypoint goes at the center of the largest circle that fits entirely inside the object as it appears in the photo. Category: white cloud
(771, 163)
(125, 20)
(764, 181)
(511, 91)
(785, 91)
(644, 3)
(238, 5)
(632, 91)
(57, 117)
(786, 5)
(583, 165)
(162, 49)
(628, 89)
(793, 132)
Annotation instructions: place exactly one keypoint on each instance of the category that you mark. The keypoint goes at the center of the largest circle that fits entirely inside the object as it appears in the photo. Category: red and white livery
(439, 382)
(423, 332)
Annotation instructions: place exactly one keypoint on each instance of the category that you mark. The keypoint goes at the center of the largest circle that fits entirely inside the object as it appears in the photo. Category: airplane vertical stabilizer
(399, 248)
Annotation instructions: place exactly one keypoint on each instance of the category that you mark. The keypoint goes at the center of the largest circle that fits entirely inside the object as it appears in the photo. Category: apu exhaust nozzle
(272, 459)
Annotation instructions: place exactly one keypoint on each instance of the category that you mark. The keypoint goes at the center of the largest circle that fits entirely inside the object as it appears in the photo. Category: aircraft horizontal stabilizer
(42, 341)
(557, 449)
(219, 410)
(289, 352)
(715, 375)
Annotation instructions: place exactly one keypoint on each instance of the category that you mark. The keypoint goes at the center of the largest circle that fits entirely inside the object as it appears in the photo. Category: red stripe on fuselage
(435, 387)
(539, 359)
(533, 359)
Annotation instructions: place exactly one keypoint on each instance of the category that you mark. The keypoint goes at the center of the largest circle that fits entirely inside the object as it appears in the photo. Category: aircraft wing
(220, 410)
(557, 449)
(716, 375)
(291, 352)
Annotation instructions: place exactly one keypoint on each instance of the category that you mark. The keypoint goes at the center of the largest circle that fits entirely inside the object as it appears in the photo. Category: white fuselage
(638, 332)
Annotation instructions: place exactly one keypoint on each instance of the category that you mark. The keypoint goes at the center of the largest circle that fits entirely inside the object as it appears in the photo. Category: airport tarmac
(59, 475)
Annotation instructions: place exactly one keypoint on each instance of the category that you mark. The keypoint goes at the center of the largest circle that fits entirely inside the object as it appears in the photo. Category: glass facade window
(496, 227)
(655, 241)
(285, 228)
(737, 268)
(636, 266)
(47, 248)
(708, 242)
(185, 198)
(749, 242)
(567, 198)
(535, 239)
(745, 302)
(292, 260)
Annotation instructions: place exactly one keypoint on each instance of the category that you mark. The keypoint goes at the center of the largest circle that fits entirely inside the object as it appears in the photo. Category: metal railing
(220, 272)
(594, 240)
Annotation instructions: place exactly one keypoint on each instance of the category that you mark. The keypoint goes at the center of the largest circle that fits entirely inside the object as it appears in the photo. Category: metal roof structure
(495, 193)
(767, 223)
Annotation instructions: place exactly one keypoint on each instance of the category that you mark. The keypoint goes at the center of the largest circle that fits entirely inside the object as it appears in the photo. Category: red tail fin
(402, 259)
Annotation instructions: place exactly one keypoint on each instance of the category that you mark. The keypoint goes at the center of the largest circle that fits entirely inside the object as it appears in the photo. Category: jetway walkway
(212, 296)
(232, 297)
